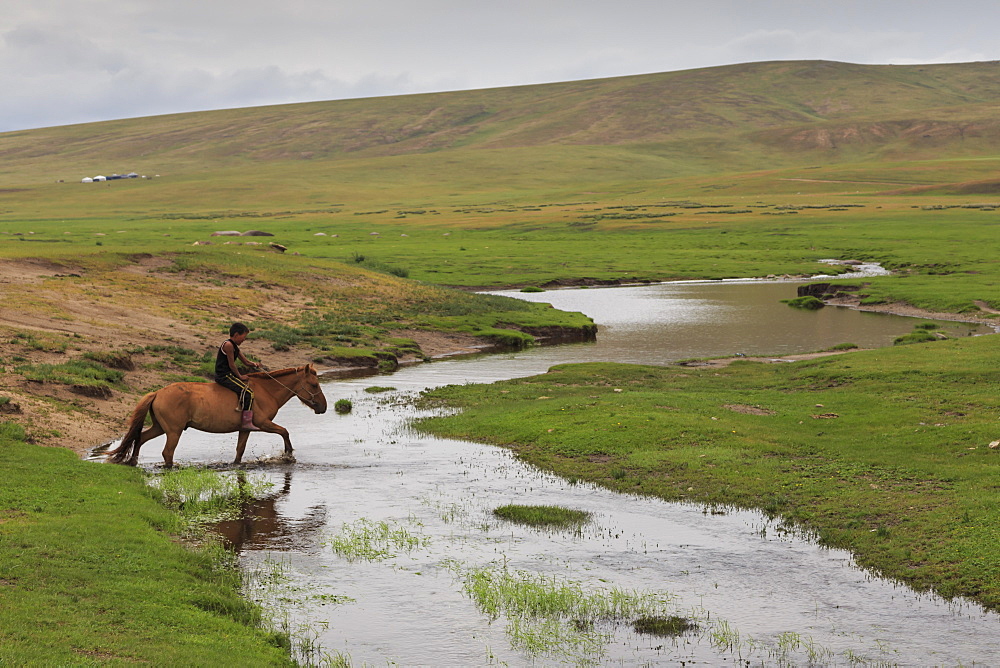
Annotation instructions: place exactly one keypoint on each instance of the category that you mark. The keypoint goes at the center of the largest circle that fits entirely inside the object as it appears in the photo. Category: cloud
(125, 60)
(74, 62)
(856, 46)
(953, 56)
(36, 49)
(144, 88)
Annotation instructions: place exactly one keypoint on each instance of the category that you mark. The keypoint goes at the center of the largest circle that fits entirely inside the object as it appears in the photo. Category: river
(759, 595)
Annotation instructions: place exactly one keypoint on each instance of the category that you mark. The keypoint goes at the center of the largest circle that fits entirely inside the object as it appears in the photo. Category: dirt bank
(52, 313)
(898, 308)
(55, 414)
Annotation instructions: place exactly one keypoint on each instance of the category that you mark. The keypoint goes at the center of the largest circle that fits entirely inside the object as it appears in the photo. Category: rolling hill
(722, 119)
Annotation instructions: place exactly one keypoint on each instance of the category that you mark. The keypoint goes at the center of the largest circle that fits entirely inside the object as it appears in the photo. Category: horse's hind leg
(146, 435)
(168, 449)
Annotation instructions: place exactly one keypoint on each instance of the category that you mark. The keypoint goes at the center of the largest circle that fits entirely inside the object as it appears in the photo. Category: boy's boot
(248, 424)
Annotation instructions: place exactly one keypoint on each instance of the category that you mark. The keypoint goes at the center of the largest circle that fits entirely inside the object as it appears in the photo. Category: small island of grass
(542, 516)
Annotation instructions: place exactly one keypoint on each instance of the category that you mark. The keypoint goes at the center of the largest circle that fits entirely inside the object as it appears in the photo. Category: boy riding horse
(228, 375)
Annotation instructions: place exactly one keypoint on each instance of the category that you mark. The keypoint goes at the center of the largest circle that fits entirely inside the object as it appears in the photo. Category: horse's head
(309, 391)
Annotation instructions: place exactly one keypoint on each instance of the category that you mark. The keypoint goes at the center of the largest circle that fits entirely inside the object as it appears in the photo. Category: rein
(312, 394)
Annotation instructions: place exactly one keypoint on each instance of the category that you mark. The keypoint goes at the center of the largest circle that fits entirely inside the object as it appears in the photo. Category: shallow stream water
(759, 595)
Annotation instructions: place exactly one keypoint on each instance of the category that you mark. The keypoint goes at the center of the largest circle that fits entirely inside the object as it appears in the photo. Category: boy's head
(238, 328)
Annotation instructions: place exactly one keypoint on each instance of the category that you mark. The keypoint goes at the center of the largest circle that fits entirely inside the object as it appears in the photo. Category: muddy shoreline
(912, 312)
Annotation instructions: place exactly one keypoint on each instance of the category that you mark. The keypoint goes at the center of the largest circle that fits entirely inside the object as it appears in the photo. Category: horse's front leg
(241, 446)
(272, 428)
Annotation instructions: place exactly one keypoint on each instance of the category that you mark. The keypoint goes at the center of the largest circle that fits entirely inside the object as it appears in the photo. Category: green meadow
(942, 246)
(384, 206)
(90, 574)
(884, 452)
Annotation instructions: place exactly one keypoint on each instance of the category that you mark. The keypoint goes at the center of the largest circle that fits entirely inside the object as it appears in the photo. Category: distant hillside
(804, 110)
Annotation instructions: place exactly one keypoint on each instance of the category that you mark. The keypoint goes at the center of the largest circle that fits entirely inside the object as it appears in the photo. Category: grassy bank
(85, 333)
(90, 575)
(324, 302)
(882, 452)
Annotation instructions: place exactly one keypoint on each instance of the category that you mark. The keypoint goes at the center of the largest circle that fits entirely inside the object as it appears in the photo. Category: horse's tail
(130, 442)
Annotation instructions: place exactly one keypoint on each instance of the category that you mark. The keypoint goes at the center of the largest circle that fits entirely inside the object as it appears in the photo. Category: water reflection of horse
(212, 408)
(261, 524)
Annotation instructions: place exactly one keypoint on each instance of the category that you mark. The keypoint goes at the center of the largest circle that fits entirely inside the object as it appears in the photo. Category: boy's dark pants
(241, 388)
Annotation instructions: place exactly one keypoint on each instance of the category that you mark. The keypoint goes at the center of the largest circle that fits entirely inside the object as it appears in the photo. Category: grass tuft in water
(550, 615)
(668, 627)
(551, 636)
(542, 516)
(808, 302)
(202, 496)
(374, 541)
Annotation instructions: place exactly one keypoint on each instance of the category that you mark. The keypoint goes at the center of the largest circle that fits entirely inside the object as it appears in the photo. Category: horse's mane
(278, 373)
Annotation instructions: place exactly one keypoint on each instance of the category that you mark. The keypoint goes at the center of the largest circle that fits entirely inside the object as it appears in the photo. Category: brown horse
(211, 407)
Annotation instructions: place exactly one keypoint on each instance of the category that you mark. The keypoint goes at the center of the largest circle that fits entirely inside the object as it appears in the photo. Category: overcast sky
(64, 62)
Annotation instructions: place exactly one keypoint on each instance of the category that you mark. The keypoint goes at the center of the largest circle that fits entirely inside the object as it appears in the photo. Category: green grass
(74, 372)
(917, 336)
(808, 302)
(90, 573)
(42, 342)
(550, 615)
(111, 359)
(944, 256)
(542, 516)
(202, 497)
(668, 627)
(369, 540)
(881, 452)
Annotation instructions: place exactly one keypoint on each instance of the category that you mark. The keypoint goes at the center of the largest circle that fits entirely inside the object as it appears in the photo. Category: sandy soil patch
(444, 344)
(749, 410)
(726, 361)
(914, 312)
